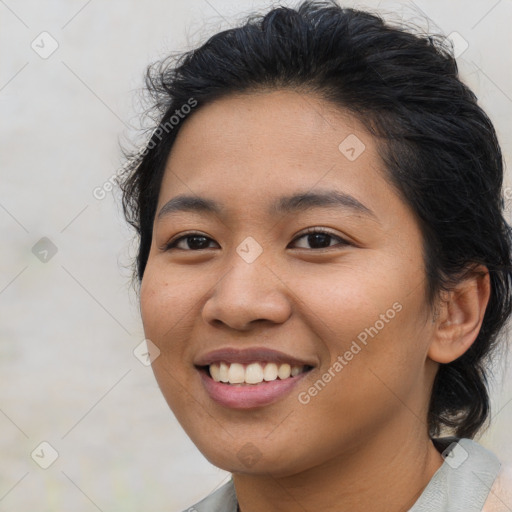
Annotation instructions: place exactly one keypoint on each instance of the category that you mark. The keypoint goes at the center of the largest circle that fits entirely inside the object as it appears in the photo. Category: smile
(253, 373)
(251, 377)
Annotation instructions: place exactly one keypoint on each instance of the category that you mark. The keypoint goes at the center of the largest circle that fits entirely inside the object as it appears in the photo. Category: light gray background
(69, 326)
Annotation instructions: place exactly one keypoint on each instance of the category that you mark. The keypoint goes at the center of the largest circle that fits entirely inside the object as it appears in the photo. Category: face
(295, 273)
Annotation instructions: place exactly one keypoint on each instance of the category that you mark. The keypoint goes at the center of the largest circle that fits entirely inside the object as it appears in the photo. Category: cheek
(347, 299)
(168, 307)
(371, 322)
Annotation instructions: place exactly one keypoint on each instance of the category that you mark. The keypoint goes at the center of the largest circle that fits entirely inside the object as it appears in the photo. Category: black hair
(438, 146)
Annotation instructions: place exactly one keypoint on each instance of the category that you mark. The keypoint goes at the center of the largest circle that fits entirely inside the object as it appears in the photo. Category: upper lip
(249, 355)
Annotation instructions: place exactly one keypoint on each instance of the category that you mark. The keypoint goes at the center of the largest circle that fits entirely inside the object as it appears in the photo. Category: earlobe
(459, 316)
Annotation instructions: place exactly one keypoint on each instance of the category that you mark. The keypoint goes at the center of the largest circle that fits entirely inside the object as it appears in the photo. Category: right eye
(189, 242)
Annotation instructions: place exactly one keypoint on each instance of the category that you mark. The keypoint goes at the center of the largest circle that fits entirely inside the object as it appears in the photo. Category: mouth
(239, 374)
(245, 379)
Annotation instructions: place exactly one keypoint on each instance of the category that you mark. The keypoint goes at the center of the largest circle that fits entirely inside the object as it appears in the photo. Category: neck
(382, 474)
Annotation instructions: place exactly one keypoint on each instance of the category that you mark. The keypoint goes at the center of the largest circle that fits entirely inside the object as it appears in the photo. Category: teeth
(223, 372)
(236, 374)
(285, 370)
(254, 373)
(270, 372)
(295, 371)
(215, 372)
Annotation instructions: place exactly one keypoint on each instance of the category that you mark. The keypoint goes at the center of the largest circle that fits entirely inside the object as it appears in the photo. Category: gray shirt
(461, 484)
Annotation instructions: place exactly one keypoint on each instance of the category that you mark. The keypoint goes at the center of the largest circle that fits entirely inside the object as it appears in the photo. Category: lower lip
(248, 396)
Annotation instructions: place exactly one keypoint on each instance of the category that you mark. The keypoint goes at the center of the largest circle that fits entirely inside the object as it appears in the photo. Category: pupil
(201, 245)
(316, 239)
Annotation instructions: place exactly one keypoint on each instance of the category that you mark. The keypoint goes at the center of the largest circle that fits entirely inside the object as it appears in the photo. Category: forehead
(251, 148)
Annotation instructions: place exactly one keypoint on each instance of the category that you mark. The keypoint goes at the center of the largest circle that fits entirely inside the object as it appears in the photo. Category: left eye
(319, 239)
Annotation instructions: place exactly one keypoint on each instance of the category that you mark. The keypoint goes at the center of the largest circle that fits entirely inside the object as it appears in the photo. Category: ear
(460, 315)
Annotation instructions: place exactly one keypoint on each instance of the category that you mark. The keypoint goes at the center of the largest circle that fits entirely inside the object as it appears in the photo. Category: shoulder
(463, 481)
(484, 470)
(500, 495)
(222, 500)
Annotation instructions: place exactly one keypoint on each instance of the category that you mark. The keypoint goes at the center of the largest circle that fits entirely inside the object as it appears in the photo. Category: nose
(246, 295)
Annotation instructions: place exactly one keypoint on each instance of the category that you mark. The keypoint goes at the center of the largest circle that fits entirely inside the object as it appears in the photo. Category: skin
(362, 442)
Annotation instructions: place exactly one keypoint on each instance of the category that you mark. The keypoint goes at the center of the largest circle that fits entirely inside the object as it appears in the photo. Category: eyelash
(173, 243)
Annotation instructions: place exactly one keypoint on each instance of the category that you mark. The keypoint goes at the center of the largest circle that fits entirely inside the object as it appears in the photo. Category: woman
(324, 265)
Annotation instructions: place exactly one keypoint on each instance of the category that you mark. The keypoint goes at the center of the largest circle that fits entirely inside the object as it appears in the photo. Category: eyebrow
(295, 203)
(322, 199)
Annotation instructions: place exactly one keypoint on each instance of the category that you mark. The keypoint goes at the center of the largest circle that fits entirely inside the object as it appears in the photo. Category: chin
(252, 458)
